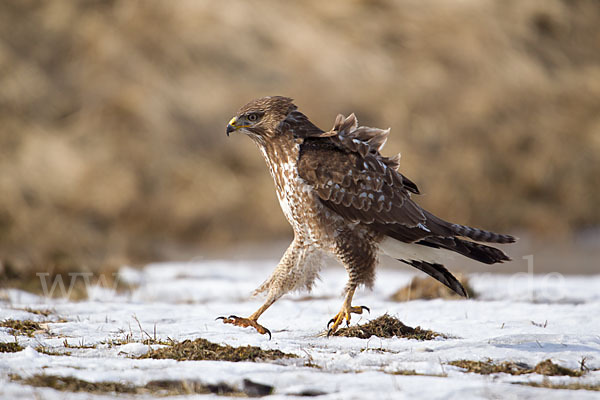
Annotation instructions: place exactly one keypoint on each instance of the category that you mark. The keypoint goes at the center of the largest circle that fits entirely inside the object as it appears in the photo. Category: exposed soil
(546, 367)
(202, 349)
(387, 326)
(568, 386)
(161, 387)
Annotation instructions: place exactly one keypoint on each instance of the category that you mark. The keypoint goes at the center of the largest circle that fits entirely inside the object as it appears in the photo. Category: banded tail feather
(481, 235)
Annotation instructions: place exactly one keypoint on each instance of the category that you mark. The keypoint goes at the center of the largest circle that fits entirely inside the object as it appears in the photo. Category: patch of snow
(522, 318)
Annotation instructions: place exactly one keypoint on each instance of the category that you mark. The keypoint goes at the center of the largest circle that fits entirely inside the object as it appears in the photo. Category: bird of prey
(343, 197)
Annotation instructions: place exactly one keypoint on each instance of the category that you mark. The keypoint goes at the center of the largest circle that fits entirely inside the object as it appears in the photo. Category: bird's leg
(251, 320)
(345, 312)
(290, 273)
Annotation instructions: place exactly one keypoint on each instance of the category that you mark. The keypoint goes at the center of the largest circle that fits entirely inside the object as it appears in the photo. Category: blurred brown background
(113, 114)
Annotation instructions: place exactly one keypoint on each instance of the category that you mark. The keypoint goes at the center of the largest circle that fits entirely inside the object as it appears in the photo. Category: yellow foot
(245, 322)
(344, 314)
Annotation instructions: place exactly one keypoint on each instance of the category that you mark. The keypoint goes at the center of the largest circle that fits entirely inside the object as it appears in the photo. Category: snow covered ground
(519, 318)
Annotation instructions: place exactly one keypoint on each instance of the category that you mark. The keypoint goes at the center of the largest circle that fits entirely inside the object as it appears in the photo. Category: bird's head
(261, 118)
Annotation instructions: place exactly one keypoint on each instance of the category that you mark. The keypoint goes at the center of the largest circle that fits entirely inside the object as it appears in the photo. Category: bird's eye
(252, 117)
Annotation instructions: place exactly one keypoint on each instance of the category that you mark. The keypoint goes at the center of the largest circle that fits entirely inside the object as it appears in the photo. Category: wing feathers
(475, 251)
(353, 179)
(440, 273)
(359, 188)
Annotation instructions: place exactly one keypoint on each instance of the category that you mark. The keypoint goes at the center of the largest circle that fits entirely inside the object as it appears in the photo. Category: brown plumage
(341, 196)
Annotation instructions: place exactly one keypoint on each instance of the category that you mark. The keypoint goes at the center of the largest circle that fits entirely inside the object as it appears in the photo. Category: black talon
(268, 332)
(218, 318)
(366, 308)
(234, 317)
(329, 333)
(330, 322)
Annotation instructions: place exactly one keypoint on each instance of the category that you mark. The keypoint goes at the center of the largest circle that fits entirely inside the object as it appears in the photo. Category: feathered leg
(358, 254)
(298, 268)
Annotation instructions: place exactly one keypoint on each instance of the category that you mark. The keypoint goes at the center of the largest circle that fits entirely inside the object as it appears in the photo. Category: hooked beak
(231, 126)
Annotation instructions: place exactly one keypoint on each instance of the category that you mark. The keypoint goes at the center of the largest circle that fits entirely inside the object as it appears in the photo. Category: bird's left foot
(344, 314)
(245, 322)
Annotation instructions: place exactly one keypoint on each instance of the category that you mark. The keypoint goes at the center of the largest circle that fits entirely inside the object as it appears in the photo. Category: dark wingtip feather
(440, 273)
(476, 251)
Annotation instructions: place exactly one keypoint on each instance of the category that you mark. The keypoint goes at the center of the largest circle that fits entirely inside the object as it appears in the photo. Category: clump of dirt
(12, 347)
(26, 327)
(202, 349)
(71, 384)
(488, 367)
(160, 387)
(546, 367)
(428, 288)
(174, 388)
(387, 326)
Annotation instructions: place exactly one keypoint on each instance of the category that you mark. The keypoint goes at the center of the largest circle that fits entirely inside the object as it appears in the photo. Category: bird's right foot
(246, 322)
(344, 314)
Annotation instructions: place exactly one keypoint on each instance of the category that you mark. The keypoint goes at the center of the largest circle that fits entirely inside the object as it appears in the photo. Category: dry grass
(25, 327)
(546, 367)
(567, 386)
(11, 347)
(161, 388)
(43, 313)
(51, 352)
(412, 372)
(428, 288)
(387, 326)
(202, 349)
(112, 147)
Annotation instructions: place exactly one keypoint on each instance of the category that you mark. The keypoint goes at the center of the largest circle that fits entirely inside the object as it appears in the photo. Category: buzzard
(343, 197)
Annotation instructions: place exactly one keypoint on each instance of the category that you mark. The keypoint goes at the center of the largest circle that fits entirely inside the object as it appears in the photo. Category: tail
(427, 245)
(429, 253)
(481, 235)
(475, 251)
(438, 227)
